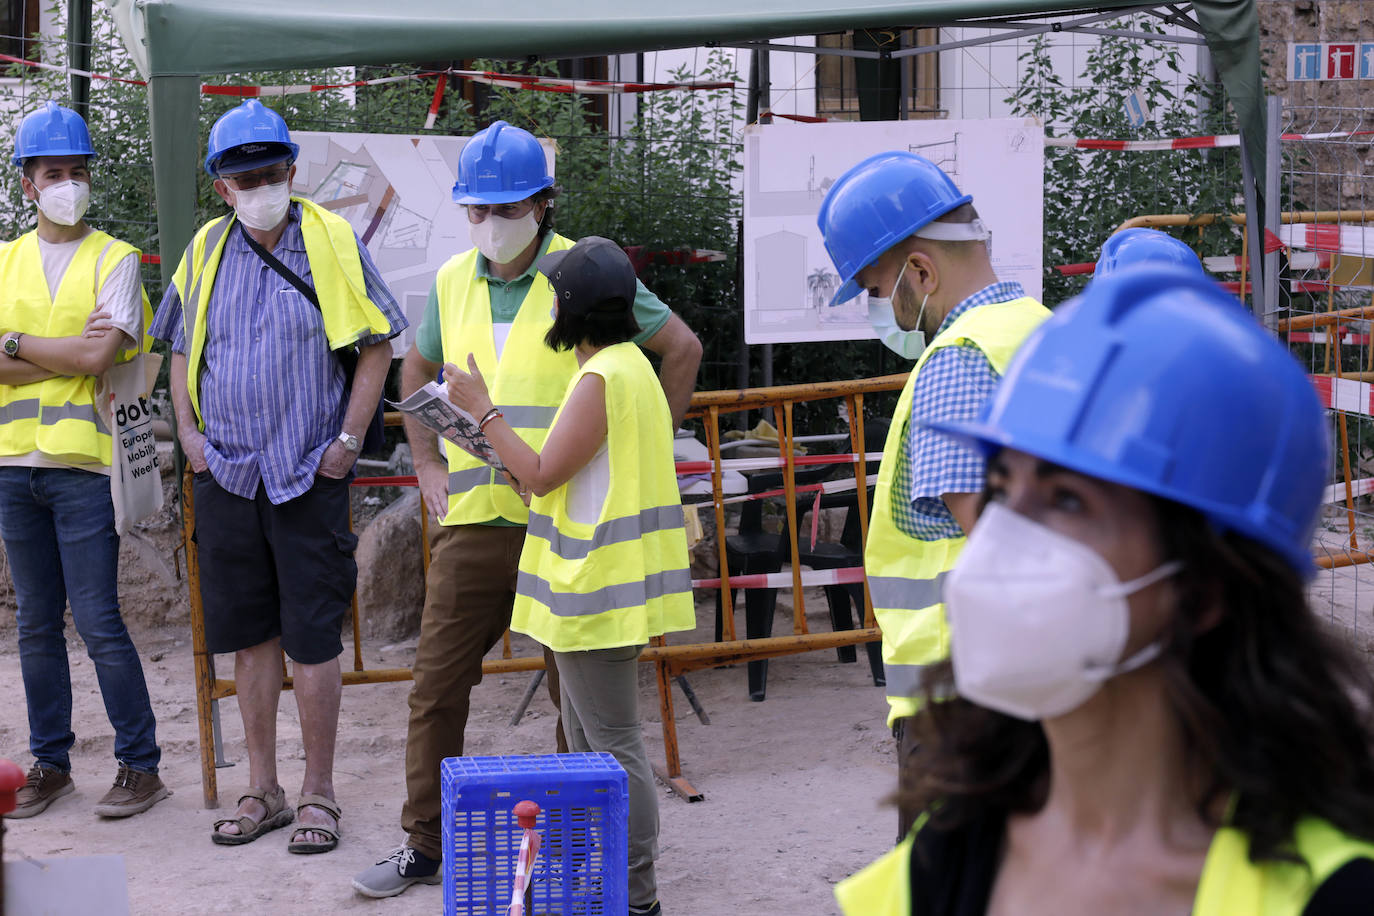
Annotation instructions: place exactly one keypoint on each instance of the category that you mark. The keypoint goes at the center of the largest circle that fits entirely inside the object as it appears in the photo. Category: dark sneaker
(42, 787)
(652, 909)
(399, 870)
(133, 792)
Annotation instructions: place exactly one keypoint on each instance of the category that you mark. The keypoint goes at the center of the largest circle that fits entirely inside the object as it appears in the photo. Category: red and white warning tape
(264, 92)
(1345, 394)
(592, 87)
(1165, 144)
(1319, 337)
(1336, 492)
(829, 486)
(1341, 239)
(810, 578)
(763, 464)
(1298, 260)
(506, 80)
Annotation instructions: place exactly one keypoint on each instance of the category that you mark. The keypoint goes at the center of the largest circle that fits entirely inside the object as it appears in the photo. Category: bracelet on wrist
(490, 415)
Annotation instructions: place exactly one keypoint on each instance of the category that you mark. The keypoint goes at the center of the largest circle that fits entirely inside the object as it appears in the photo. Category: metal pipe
(79, 55)
(1273, 166)
(1155, 220)
(797, 49)
(1026, 33)
(1252, 229)
(752, 398)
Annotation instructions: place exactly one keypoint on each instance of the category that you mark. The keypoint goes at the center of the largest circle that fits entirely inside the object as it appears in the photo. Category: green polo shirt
(506, 298)
(508, 295)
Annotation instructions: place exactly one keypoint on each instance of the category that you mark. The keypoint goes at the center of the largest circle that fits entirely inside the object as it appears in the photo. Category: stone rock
(391, 580)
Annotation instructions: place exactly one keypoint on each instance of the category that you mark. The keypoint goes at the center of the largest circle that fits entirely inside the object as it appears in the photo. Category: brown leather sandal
(330, 807)
(278, 815)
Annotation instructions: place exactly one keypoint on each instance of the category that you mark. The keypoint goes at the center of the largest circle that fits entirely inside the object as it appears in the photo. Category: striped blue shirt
(271, 392)
(952, 386)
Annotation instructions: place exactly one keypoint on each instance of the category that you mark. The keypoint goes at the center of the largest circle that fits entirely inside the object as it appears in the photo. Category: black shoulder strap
(286, 273)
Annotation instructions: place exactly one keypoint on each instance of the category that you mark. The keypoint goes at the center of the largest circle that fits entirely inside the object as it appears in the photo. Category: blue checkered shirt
(953, 385)
(271, 393)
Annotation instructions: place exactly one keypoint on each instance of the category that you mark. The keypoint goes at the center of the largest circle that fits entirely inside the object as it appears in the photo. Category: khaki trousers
(601, 710)
(469, 592)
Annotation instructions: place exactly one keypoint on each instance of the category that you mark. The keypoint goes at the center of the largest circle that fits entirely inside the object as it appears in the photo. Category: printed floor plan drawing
(789, 279)
(396, 191)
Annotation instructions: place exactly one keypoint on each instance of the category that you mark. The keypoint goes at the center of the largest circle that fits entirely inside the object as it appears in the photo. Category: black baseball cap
(593, 276)
(248, 156)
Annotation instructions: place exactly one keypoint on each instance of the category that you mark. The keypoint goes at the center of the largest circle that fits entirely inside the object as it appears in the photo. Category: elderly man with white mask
(265, 311)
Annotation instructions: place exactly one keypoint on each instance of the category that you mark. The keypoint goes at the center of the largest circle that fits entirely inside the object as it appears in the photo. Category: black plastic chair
(754, 551)
(848, 552)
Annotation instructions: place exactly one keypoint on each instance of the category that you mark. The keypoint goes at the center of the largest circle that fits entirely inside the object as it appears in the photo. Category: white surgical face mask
(1038, 621)
(263, 207)
(906, 344)
(501, 240)
(65, 202)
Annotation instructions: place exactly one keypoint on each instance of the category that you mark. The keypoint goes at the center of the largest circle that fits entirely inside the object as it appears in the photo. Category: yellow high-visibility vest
(527, 384)
(58, 416)
(905, 574)
(1230, 885)
(336, 272)
(626, 577)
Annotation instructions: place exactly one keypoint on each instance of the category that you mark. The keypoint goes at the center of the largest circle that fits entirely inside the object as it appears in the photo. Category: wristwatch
(348, 441)
(12, 345)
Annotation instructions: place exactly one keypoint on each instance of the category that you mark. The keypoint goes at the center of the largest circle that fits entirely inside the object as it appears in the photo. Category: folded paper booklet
(431, 406)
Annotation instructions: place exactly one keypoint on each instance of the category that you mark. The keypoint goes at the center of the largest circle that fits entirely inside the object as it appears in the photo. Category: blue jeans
(58, 529)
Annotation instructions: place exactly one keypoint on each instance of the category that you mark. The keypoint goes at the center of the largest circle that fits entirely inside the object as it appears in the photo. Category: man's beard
(907, 305)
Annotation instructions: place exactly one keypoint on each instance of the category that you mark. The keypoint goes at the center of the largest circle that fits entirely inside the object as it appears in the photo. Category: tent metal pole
(1252, 230)
(1024, 33)
(1273, 168)
(173, 115)
(763, 87)
(904, 37)
(79, 53)
(795, 49)
(173, 119)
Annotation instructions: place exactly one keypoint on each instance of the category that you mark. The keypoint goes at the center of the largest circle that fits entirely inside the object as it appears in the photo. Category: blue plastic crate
(583, 822)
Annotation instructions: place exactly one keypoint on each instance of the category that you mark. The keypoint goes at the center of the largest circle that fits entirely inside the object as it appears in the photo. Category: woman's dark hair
(549, 194)
(1272, 705)
(612, 321)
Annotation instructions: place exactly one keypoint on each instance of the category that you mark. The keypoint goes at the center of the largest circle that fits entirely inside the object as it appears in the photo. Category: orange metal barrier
(668, 660)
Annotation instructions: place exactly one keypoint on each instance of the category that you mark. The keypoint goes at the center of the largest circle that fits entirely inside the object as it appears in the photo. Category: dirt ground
(793, 786)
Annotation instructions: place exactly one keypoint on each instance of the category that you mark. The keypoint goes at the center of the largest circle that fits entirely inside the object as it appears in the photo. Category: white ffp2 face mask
(1038, 621)
(263, 207)
(501, 240)
(65, 202)
(906, 344)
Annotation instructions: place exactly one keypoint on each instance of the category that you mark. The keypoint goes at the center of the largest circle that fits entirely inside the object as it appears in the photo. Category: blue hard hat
(52, 131)
(1141, 246)
(877, 204)
(500, 165)
(1156, 378)
(251, 124)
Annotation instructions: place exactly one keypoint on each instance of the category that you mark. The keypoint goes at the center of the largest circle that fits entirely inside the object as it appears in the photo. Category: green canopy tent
(175, 42)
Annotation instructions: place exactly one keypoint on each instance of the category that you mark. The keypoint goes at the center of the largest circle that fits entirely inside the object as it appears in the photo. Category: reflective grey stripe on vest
(460, 482)
(902, 680)
(30, 409)
(614, 531)
(528, 417)
(190, 303)
(19, 410)
(610, 598)
(905, 594)
(51, 416)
